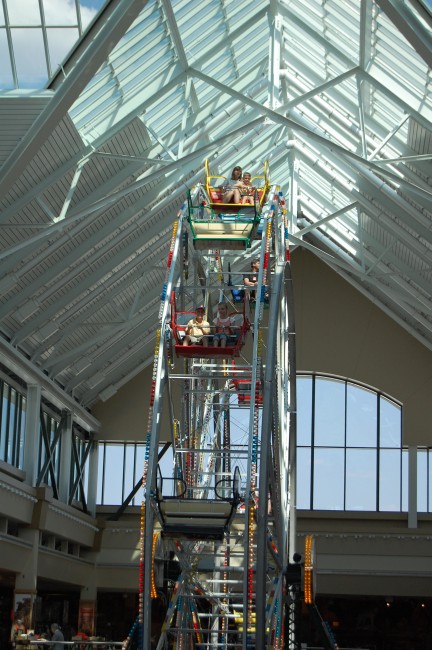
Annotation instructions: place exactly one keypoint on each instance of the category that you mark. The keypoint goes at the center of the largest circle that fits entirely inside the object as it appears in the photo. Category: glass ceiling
(47, 29)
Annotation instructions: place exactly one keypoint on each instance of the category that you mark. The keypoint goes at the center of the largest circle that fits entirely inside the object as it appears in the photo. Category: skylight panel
(90, 95)
(195, 11)
(411, 85)
(217, 64)
(399, 56)
(327, 165)
(345, 40)
(343, 138)
(138, 77)
(141, 32)
(309, 10)
(204, 18)
(347, 13)
(140, 49)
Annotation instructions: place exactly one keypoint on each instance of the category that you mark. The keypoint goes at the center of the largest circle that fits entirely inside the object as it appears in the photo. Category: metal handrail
(81, 645)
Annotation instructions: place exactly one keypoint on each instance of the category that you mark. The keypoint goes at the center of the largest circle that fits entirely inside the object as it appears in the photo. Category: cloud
(62, 34)
(62, 12)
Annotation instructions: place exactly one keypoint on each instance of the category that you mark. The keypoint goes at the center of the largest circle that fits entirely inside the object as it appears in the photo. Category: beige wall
(368, 553)
(340, 332)
(124, 416)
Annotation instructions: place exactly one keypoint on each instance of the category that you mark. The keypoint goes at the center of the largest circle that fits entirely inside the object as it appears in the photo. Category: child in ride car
(247, 191)
(231, 188)
(196, 329)
(223, 326)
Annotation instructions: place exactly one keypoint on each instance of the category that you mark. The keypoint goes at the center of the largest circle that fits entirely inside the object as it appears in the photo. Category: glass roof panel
(32, 71)
(57, 28)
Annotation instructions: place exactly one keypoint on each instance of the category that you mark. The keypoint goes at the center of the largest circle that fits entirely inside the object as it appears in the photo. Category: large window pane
(329, 413)
(129, 459)
(100, 478)
(21, 433)
(11, 425)
(4, 431)
(422, 466)
(57, 13)
(390, 480)
(53, 467)
(6, 77)
(166, 463)
(31, 70)
(113, 474)
(390, 424)
(88, 13)
(404, 480)
(304, 410)
(343, 477)
(83, 472)
(86, 476)
(139, 462)
(429, 480)
(60, 42)
(23, 13)
(361, 479)
(361, 417)
(303, 478)
(328, 489)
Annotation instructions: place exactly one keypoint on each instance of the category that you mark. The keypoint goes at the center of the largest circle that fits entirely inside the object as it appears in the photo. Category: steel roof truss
(71, 190)
(79, 468)
(82, 288)
(105, 354)
(50, 448)
(96, 52)
(274, 98)
(410, 26)
(385, 257)
(174, 33)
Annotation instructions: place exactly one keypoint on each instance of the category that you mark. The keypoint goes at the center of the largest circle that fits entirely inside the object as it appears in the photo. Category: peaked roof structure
(335, 95)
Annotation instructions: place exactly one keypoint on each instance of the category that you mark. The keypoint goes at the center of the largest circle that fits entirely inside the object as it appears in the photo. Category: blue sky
(26, 36)
(93, 4)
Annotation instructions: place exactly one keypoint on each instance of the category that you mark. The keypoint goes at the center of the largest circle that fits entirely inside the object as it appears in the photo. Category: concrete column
(93, 477)
(26, 579)
(32, 430)
(412, 487)
(65, 460)
(88, 606)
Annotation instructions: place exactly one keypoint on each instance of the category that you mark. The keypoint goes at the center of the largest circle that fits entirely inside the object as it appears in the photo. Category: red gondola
(243, 388)
(179, 320)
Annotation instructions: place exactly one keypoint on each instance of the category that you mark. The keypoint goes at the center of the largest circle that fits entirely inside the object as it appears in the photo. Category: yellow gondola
(225, 226)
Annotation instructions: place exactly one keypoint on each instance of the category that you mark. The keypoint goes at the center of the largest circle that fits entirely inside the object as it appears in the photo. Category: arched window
(349, 451)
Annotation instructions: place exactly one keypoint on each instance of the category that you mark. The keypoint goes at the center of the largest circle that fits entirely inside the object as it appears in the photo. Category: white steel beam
(374, 209)
(302, 125)
(19, 364)
(274, 98)
(407, 22)
(107, 201)
(88, 64)
(56, 363)
(151, 98)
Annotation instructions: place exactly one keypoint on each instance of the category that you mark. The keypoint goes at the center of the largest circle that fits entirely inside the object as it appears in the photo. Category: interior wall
(338, 331)
(124, 416)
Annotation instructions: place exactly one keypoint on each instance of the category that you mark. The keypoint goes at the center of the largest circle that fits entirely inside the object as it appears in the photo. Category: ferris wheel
(224, 403)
